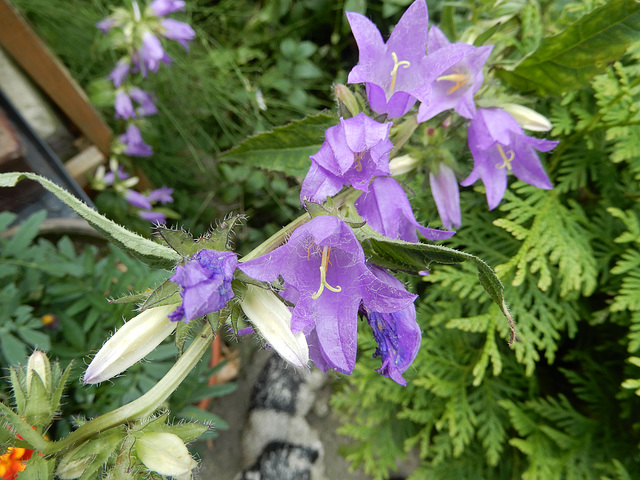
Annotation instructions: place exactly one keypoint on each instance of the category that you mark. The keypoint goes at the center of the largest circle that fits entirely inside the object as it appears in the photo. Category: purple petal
(151, 52)
(123, 106)
(145, 100)
(153, 216)
(121, 71)
(179, 31)
(162, 194)
(134, 144)
(162, 8)
(444, 188)
(137, 199)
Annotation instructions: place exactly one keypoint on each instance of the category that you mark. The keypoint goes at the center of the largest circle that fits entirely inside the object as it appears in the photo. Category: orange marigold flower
(13, 462)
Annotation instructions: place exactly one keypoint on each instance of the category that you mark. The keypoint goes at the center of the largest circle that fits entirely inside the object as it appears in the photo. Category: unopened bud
(527, 118)
(131, 343)
(347, 103)
(272, 319)
(69, 469)
(166, 454)
(403, 164)
(39, 364)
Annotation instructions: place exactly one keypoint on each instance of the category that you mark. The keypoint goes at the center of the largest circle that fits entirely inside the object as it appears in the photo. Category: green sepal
(148, 251)
(60, 380)
(37, 468)
(179, 240)
(18, 385)
(220, 237)
(22, 428)
(134, 298)
(183, 332)
(188, 431)
(39, 410)
(166, 293)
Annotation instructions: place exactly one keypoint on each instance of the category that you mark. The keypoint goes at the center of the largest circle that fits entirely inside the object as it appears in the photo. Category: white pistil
(324, 264)
(506, 161)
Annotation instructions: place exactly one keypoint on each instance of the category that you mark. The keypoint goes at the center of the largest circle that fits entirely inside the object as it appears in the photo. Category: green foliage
(563, 402)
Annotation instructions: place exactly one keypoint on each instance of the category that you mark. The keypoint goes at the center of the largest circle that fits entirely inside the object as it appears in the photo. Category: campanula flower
(144, 100)
(460, 80)
(153, 216)
(162, 8)
(399, 72)
(150, 53)
(527, 118)
(205, 283)
(387, 210)
(133, 143)
(444, 188)
(120, 72)
(137, 199)
(354, 151)
(397, 334)
(162, 195)
(323, 268)
(123, 105)
(179, 31)
(498, 146)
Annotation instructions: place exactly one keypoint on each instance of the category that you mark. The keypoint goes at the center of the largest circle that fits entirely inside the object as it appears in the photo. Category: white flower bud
(131, 343)
(403, 164)
(70, 469)
(272, 318)
(166, 454)
(39, 363)
(527, 118)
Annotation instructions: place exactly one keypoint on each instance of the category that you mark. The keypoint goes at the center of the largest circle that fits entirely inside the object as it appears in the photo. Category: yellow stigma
(324, 264)
(356, 158)
(506, 161)
(394, 72)
(460, 78)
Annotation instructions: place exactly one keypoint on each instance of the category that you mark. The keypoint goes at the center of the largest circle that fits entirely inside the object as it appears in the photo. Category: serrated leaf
(166, 294)
(182, 242)
(568, 60)
(284, 149)
(148, 251)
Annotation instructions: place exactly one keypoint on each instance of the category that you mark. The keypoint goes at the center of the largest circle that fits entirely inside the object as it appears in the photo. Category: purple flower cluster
(146, 202)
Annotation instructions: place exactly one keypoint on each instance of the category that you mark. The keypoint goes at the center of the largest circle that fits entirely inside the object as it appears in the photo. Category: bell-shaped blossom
(272, 318)
(162, 8)
(133, 143)
(498, 146)
(387, 210)
(123, 105)
(144, 100)
(153, 216)
(353, 152)
(444, 188)
(150, 53)
(460, 80)
(162, 195)
(205, 283)
(323, 267)
(178, 31)
(397, 334)
(137, 199)
(120, 72)
(398, 73)
(131, 343)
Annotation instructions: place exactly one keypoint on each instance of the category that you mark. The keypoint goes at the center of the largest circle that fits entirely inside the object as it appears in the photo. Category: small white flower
(527, 118)
(131, 343)
(166, 454)
(272, 319)
(39, 363)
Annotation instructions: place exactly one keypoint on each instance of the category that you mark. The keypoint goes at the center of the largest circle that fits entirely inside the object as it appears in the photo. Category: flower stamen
(460, 78)
(356, 158)
(324, 265)
(394, 73)
(506, 161)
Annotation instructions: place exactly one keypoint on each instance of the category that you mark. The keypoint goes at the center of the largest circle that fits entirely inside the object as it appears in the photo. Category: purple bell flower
(399, 72)
(121, 71)
(123, 105)
(324, 271)
(498, 146)
(144, 100)
(162, 8)
(460, 80)
(137, 199)
(178, 31)
(162, 194)
(150, 53)
(444, 188)
(354, 151)
(205, 284)
(153, 216)
(397, 334)
(387, 210)
(134, 144)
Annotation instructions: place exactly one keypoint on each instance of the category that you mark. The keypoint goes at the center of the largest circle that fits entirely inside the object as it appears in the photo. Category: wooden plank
(26, 48)
(84, 162)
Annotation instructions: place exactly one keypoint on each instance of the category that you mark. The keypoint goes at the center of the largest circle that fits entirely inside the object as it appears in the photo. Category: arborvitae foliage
(563, 402)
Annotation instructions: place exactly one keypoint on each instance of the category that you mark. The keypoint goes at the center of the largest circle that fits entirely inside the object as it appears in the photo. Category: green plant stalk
(146, 404)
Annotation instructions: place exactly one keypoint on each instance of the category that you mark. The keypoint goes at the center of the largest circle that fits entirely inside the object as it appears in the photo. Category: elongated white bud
(131, 343)
(527, 118)
(402, 164)
(272, 319)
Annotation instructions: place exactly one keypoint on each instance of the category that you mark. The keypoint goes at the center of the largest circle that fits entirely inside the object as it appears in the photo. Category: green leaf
(146, 250)
(284, 149)
(568, 60)
(25, 235)
(13, 350)
(414, 257)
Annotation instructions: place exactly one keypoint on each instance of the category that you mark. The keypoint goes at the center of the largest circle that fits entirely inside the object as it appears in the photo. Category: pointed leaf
(568, 60)
(181, 241)
(166, 294)
(146, 250)
(284, 149)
